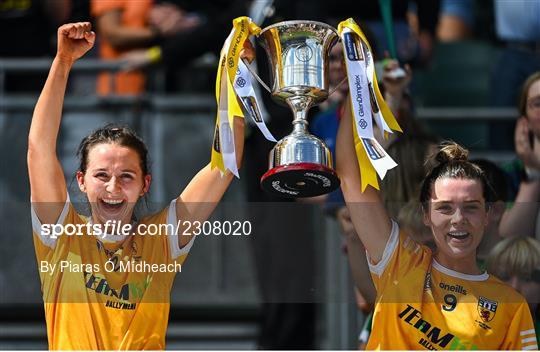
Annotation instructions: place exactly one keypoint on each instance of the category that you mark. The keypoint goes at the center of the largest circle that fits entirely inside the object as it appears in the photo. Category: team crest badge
(487, 309)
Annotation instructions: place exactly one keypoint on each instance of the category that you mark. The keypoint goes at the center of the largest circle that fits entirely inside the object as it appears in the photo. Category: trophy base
(300, 180)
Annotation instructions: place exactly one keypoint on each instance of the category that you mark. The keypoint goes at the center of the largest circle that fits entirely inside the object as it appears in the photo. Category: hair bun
(451, 151)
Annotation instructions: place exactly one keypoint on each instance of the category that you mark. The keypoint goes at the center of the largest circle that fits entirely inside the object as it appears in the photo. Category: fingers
(522, 130)
(74, 40)
(523, 145)
(248, 52)
(90, 37)
(75, 30)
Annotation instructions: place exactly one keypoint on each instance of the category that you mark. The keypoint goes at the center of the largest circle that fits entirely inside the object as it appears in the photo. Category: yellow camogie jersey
(424, 305)
(105, 296)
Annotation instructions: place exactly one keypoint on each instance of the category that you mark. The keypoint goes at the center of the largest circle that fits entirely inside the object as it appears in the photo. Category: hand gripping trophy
(300, 164)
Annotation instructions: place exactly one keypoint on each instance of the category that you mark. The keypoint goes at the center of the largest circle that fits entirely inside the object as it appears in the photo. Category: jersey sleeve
(401, 257)
(521, 334)
(177, 253)
(46, 235)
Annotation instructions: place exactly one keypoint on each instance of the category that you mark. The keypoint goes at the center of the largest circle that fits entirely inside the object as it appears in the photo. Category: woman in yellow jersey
(434, 299)
(101, 288)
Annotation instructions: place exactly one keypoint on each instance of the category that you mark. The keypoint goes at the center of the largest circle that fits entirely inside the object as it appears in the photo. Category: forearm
(521, 219)
(347, 164)
(127, 38)
(356, 254)
(45, 173)
(368, 215)
(206, 189)
(48, 111)
(122, 37)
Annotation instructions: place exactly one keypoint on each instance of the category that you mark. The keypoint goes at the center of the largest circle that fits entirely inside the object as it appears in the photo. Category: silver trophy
(300, 165)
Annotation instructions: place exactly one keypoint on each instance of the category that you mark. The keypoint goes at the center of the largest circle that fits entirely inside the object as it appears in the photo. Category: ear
(146, 187)
(80, 181)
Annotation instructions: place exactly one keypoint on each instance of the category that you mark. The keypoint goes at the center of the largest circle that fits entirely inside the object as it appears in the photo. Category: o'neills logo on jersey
(434, 336)
(453, 288)
(487, 308)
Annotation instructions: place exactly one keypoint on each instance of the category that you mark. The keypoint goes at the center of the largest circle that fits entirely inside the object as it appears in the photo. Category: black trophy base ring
(300, 180)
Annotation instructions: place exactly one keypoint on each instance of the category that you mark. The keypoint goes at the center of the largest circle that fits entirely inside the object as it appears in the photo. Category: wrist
(64, 61)
(531, 174)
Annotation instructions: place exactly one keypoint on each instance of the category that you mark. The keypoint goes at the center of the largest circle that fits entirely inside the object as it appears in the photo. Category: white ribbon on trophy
(244, 89)
(370, 69)
(360, 69)
(226, 132)
(358, 84)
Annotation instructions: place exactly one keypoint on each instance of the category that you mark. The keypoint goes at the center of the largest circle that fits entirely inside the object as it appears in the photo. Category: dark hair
(497, 178)
(522, 103)
(451, 162)
(112, 133)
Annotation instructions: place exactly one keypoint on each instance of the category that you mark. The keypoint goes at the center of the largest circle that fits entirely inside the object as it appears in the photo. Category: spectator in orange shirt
(122, 25)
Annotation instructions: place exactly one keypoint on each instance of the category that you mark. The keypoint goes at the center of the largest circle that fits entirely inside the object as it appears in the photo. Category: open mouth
(459, 236)
(113, 206)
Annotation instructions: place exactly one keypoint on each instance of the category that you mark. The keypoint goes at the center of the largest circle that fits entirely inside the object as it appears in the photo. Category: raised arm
(203, 193)
(47, 184)
(367, 211)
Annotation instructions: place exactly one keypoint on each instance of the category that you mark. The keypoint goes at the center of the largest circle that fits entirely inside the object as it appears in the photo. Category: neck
(462, 265)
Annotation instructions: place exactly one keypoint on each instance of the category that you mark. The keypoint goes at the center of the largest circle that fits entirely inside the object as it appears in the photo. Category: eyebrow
(124, 170)
(451, 202)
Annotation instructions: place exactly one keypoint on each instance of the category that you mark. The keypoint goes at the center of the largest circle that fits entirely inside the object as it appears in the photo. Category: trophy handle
(344, 78)
(339, 85)
(257, 76)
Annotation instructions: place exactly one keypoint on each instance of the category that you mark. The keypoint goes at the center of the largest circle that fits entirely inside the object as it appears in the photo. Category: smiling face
(457, 217)
(113, 182)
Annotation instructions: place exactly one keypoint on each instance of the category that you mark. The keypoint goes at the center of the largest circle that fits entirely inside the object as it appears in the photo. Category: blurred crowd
(174, 34)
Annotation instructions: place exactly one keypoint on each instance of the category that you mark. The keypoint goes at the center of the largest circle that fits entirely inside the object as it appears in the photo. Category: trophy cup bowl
(300, 164)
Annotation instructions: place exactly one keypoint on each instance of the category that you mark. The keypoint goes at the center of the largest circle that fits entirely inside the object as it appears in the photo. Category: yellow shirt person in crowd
(434, 299)
(94, 297)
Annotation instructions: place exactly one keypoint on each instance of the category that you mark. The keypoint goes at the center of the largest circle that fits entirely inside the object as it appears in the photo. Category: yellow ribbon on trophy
(223, 153)
(367, 105)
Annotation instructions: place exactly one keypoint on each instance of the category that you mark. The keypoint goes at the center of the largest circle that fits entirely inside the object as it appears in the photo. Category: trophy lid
(297, 23)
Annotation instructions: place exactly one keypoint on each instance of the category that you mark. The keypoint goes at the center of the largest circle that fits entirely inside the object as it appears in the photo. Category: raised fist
(74, 40)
